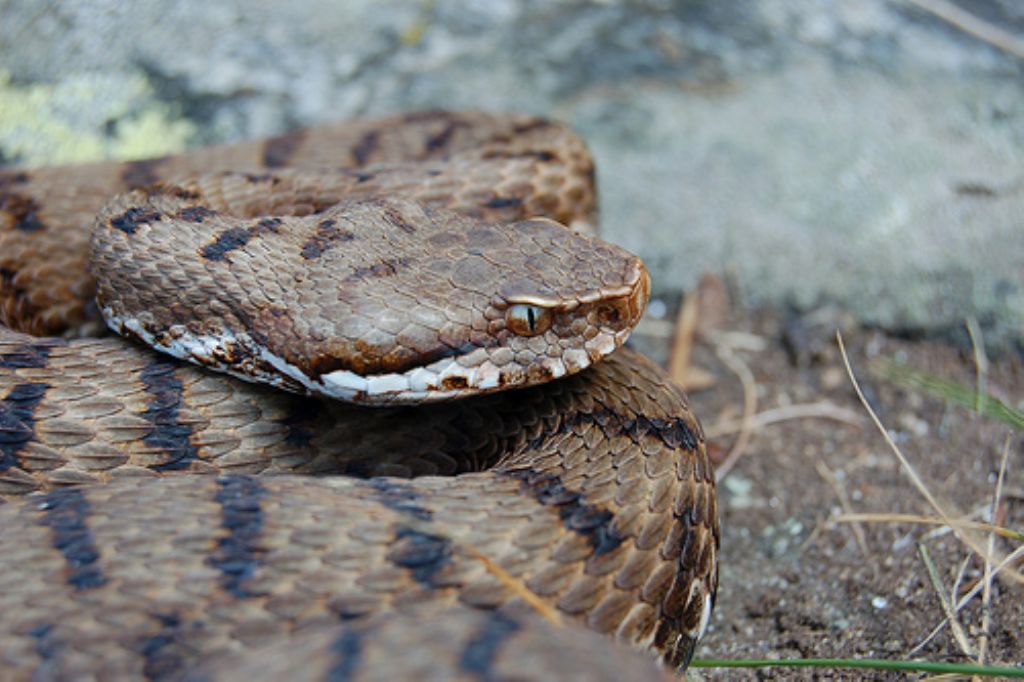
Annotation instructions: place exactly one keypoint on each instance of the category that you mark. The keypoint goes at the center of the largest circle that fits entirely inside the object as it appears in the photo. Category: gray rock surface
(857, 151)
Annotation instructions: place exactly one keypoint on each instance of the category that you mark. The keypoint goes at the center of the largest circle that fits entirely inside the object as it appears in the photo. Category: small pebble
(656, 308)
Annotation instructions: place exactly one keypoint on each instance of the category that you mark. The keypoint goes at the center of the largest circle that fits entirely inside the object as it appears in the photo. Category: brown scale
(593, 492)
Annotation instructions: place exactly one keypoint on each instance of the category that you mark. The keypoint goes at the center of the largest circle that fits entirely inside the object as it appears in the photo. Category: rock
(860, 152)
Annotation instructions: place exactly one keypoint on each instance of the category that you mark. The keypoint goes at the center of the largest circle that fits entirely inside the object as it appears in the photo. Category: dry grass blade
(986, 596)
(965, 536)
(929, 520)
(1013, 557)
(517, 586)
(980, 363)
(947, 606)
(981, 367)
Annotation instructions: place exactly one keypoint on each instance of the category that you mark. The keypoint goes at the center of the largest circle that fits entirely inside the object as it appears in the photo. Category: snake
(366, 413)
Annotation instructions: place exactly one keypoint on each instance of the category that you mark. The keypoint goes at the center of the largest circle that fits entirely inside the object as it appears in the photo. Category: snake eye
(528, 320)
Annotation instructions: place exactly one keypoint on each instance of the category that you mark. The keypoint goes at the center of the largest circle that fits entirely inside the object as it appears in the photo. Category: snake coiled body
(591, 493)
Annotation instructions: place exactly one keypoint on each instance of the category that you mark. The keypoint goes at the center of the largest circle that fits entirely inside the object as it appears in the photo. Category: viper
(368, 385)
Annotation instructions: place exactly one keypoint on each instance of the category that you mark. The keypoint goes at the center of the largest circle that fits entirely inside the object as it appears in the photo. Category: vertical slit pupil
(531, 318)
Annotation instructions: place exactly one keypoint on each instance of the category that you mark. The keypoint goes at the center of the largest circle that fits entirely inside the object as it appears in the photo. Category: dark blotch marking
(141, 173)
(441, 141)
(328, 234)
(530, 126)
(505, 202)
(195, 214)
(236, 237)
(387, 267)
(348, 653)
(161, 657)
(238, 554)
(168, 434)
(66, 514)
(422, 553)
(398, 220)
(587, 520)
(278, 151)
(182, 193)
(227, 241)
(17, 420)
(28, 356)
(540, 155)
(480, 652)
(398, 497)
(365, 147)
(48, 646)
(129, 221)
(24, 210)
(675, 433)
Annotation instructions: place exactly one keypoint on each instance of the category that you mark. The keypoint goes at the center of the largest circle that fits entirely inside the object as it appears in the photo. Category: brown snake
(323, 261)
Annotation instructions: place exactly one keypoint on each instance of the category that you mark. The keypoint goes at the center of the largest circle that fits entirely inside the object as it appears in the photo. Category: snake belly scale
(162, 520)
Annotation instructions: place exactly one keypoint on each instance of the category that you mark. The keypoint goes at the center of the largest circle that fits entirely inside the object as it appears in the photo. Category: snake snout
(628, 309)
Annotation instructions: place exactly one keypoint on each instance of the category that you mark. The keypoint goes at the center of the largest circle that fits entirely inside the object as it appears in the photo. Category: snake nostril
(609, 316)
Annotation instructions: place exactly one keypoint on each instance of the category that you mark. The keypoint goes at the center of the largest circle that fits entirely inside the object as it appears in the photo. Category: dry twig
(819, 410)
(682, 339)
(844, 501)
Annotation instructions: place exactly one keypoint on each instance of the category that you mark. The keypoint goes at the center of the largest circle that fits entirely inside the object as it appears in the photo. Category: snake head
(379, 301)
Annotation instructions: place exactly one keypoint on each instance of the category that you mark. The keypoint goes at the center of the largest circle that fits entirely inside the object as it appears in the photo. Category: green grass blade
(951, 392)
(868, 664)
